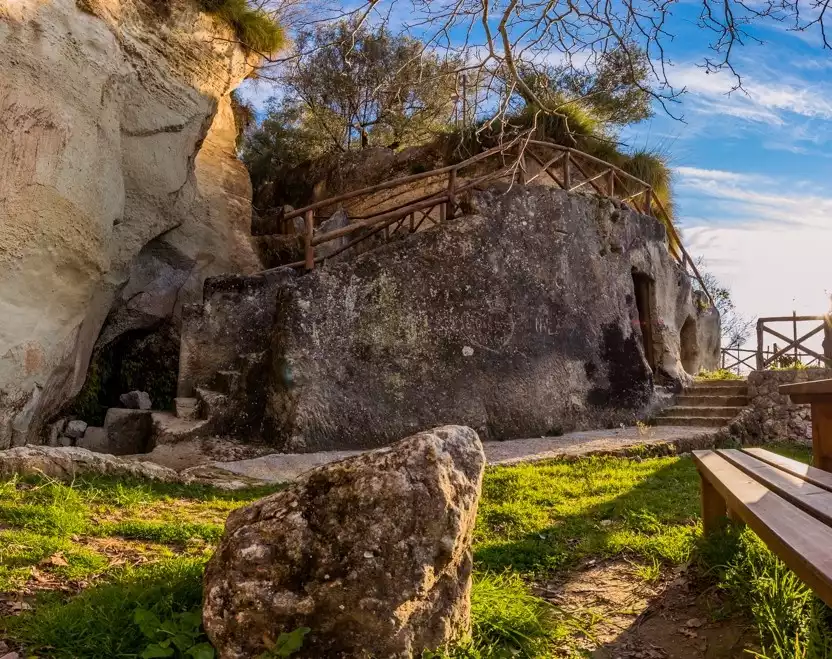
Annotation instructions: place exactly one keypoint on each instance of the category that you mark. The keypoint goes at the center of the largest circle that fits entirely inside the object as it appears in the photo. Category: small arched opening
(689, 346)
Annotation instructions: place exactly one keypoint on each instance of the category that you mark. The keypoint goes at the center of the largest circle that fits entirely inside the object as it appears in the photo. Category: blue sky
(751, 167)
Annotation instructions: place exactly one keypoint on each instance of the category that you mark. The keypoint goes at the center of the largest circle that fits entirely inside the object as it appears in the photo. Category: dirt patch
(675, 617)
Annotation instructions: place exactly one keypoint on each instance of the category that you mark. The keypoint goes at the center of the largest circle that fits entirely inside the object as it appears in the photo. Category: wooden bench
(818, 394)
(785, 502)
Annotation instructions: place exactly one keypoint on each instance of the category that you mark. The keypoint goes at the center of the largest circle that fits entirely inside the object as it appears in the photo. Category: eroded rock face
(66, 463)
(120, 190)
(373, 554)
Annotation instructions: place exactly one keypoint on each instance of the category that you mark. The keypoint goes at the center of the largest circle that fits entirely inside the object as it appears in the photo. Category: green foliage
(255, 29)
(179, 636)
(355, 87)
(614, 90)
(287, 644)
(791, 620)
(719, 374)
(99, 623)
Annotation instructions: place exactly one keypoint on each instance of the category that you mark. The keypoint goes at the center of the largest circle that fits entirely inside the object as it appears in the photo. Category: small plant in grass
(180, 636)
(719, 374)
(287, 644)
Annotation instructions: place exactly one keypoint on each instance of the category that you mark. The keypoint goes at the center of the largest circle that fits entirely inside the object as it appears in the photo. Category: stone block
(186, 408)
(94, 439)
(136, 400)
(128, 431)
(75, 428)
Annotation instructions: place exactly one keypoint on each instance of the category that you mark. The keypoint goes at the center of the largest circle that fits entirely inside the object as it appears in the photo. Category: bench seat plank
(813, 499)
(801, 541)
(808, 473)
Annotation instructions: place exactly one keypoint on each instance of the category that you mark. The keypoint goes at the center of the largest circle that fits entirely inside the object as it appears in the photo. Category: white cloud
(774, 253)
(764, 97)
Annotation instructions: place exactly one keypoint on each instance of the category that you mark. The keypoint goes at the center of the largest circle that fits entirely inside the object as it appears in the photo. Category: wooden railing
(567, 168)
(795, 348)
(794, 353)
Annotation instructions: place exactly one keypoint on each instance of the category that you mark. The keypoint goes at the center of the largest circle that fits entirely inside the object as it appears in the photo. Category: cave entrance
(689, 347)
(644, 288)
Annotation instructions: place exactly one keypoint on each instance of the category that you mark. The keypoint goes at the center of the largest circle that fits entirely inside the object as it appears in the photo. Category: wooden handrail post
(760, 357)
(452, 193)
(309, 216)
(411, 222)
(567, 172)
(648, 201)
(612, 182)
(794, 328)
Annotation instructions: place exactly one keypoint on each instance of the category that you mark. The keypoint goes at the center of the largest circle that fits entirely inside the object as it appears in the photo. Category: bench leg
(822, 436)
(713, 507)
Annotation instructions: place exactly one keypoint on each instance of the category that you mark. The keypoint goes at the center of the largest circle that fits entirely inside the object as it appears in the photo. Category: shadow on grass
(98, 622)
(596, 512)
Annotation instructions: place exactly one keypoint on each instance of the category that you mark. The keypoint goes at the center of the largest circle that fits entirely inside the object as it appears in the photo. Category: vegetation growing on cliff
(255, 28)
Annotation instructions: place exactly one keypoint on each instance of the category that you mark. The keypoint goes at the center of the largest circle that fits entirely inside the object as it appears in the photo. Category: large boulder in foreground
(373, 554)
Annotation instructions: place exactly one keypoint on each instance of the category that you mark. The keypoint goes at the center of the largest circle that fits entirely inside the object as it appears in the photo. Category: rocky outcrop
(544, 312)
(372, 554)
(66, 463)
(120, 190)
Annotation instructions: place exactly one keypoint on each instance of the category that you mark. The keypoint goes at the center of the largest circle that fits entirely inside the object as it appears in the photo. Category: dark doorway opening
(644, 294)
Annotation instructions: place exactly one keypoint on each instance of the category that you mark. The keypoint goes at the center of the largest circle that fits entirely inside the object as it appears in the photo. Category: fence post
(612, 182)
(567, 172)
(452, 193)
(794, 330)
(760, 362)
(307, 239)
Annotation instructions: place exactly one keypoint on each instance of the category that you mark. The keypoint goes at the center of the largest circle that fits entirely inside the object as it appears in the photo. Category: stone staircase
(707, 404)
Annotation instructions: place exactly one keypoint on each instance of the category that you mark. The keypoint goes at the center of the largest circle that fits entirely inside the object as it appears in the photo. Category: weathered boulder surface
(373, 554)
(66, 463)
(120, 190)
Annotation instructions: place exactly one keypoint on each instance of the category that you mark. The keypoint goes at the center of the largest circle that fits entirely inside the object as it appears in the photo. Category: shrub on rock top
(372, 554)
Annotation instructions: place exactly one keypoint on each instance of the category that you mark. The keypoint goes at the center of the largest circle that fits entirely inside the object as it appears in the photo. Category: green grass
(536, 524)
(719, 374)
(254, 27)
(544, 518)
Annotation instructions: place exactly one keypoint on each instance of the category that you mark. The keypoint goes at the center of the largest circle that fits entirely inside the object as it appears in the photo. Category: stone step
(170, 429)
(212, 402)
(697, 421)
(186, 408)
(711, 390)
(694, 400)
(722, 384)
(679, 410)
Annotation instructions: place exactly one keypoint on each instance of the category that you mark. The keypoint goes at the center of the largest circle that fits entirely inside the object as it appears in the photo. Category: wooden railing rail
(568, 168)
(794, 353)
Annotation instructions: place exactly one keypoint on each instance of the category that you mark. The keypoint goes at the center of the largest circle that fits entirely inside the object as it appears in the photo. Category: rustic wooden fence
(794, 352)
(514, 161)
(795, 348)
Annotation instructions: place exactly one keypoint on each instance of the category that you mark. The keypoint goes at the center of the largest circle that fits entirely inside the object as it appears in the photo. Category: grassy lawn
(77, 562)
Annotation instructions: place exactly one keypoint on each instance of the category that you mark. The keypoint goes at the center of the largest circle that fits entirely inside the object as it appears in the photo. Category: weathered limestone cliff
(542, 312)
(119, 191)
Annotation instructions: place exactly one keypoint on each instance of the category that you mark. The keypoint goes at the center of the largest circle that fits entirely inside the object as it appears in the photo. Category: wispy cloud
(762, 99)
(774, 251)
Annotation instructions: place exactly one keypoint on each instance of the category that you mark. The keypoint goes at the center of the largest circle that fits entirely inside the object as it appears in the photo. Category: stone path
(281, 467)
